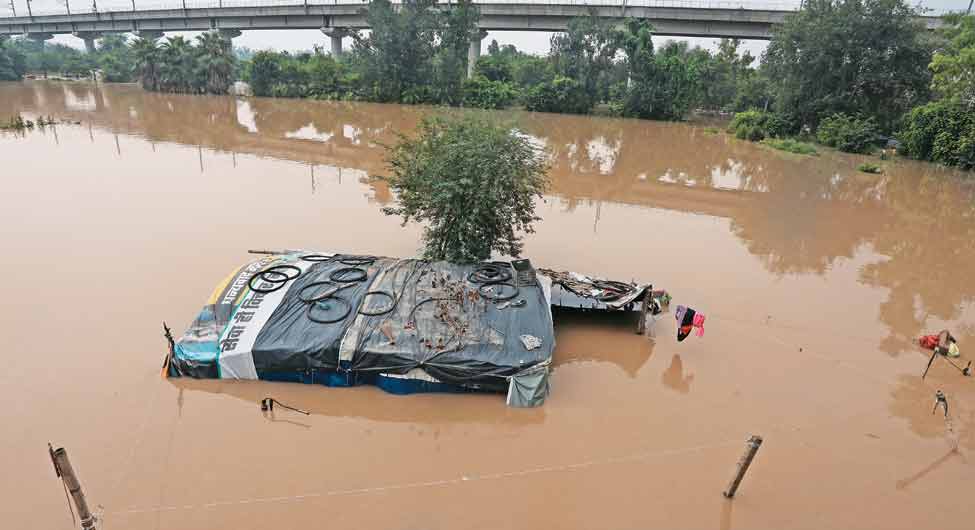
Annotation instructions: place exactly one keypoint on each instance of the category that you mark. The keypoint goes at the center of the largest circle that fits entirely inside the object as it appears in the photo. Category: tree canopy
(953, 65)
(472, 183)
(415, 53)
(853, 56)
(13, 62)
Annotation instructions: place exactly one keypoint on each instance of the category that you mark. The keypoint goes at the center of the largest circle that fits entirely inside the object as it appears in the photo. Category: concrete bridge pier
(474, 52)
(229, 34)
(151, 34)
(335, 35)
(89, 37)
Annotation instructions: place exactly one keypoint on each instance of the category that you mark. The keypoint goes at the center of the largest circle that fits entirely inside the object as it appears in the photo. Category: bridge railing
(60, 7)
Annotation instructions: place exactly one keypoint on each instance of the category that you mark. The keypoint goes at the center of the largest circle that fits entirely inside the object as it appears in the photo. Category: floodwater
(816, 280)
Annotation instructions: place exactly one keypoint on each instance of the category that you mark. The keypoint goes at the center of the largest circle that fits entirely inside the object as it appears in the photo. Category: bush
(562, 94)
(474, 184)
(790, 145)
(942, 132)
(867, 167)
(748, 125)
(850, 134)
(755, 125)
(484, 93)
(494, 68)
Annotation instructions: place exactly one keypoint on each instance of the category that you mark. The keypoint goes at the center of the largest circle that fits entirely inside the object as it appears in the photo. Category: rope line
(436, 483)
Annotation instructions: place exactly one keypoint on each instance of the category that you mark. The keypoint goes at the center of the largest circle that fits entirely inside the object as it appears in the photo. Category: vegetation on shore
(868, 167)
(875, 76)
(878, 80)
(18, 123)
(790, 145)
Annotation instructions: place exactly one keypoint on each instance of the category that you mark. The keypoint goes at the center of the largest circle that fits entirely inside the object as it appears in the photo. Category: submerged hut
(405, 325)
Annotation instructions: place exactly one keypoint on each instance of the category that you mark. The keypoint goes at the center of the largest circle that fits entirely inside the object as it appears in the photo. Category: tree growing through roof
(472, 183)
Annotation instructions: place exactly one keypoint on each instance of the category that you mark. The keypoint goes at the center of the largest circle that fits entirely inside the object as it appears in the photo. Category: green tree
(562, 94)
(177, 72)
(325, 76)
(953, 65)
(852, 56)
(472, 183)
(584, 52)
(530, 70)
(851, 134)
(415, 52)
(942, 131)
(116, 58)
(484, 93)
(148, 62)
(494, 67)
(456, 29)
(215, 62)
(724, 73)
(263, 71)
(396, 57)
(13, 62)
(662, 85)
(753, 91)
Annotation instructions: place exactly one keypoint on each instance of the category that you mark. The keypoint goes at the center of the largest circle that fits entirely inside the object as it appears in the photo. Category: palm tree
(178, 65)
(147, 60)
(215, 61)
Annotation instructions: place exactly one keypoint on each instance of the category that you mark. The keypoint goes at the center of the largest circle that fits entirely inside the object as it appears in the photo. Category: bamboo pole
(62, 466)
(746, 460)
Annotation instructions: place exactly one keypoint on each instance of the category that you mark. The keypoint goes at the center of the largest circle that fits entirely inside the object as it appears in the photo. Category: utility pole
(13, 7)
(67, 6)
(94, 6)
(59, 457)
(29, 12)
(970, 2)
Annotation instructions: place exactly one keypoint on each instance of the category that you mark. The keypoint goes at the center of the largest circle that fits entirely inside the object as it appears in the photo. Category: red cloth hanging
(928, 342)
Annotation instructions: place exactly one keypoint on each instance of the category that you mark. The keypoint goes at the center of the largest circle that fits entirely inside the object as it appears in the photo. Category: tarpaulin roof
(406, 318)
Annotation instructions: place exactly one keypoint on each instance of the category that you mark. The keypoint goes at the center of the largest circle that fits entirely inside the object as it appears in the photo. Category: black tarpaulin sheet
(406, 315)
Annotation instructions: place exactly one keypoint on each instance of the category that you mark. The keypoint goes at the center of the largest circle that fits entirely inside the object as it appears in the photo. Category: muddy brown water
(815, 279)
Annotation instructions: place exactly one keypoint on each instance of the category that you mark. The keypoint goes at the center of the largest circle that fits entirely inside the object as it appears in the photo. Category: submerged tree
(177, 72)
(147, 62)
(472, 183)
(115, 58)
(216, 61)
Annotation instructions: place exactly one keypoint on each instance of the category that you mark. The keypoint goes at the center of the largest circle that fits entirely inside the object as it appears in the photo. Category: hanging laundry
(699, 324)
(928, 342)
(687, 320)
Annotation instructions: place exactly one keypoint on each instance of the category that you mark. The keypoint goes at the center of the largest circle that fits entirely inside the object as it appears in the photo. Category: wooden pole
(647, 304)
(64, 470)
(746, 460)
